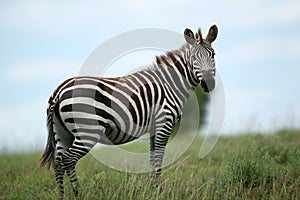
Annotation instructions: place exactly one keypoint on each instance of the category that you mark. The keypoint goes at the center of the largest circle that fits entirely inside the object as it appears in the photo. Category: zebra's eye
(196, 63)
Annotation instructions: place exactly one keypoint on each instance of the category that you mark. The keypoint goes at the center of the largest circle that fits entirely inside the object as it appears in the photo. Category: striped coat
(86, 110)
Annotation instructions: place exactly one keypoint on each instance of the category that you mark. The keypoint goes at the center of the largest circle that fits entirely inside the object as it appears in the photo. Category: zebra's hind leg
(73, 179)
(59, 175)
(77, 150)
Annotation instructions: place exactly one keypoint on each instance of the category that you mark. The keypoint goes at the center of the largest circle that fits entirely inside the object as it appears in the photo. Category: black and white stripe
(84, 111)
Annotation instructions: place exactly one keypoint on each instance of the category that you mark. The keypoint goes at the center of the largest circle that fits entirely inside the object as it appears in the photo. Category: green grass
(239, 167)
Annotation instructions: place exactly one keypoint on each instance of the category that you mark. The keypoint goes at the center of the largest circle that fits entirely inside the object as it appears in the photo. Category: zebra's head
(200, 57)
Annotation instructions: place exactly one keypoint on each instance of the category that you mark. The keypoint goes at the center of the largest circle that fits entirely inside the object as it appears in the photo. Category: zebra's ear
(189, 36)
(212, 33)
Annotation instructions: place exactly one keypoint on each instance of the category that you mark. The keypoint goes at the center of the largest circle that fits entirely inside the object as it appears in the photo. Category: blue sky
(44, 42)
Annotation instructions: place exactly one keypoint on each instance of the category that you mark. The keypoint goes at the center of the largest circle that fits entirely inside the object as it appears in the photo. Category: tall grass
(240, 167)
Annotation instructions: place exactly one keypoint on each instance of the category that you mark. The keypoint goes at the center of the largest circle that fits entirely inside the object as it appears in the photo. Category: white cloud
(51, 17)
(57, 17)
(262, 13)
(292, 46)
(288, 12)
(39, 70)
(259, 109)
(27, 129)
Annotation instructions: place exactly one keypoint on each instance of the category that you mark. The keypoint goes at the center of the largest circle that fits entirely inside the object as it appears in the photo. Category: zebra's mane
(163, 60)
(159, 59)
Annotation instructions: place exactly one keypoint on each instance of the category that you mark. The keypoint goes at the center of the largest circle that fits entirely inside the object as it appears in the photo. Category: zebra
(86, 110)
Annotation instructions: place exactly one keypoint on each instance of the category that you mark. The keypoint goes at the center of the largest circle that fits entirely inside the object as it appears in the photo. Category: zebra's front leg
(157, 151)
(158, 160)
(152, 139)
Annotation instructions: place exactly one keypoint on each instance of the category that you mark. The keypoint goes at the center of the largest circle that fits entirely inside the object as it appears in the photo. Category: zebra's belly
(124, 138)
(104, 131)
(116, 136)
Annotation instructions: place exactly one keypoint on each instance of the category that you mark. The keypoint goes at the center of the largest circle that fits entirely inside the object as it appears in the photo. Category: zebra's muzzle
(208, 84)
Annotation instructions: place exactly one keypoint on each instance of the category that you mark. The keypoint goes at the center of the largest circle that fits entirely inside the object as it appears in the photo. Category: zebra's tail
(48, 156)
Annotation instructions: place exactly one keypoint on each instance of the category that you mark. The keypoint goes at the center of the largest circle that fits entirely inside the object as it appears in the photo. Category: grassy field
(239, 167)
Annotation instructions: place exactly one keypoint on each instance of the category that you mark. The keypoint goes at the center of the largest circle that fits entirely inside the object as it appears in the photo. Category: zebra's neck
(174, 71)
(175, 64)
